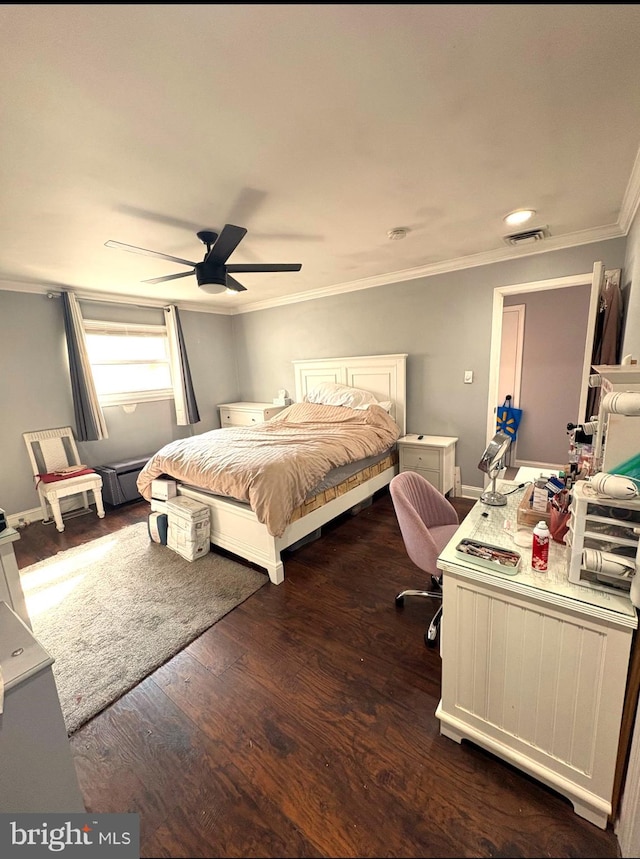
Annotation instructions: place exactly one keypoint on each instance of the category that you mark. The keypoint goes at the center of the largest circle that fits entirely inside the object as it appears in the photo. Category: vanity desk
(534, 667)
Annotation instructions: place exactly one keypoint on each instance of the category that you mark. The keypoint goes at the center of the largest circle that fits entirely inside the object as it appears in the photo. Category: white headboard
(385, 376)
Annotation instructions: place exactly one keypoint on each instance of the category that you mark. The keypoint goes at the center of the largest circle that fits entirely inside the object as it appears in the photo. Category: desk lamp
(491, 464)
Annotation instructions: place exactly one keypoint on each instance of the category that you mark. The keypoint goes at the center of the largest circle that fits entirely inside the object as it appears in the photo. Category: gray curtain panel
(89, 419)
(186, 405)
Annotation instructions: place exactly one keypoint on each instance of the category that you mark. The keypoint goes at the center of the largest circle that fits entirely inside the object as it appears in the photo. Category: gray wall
(443, 323)
(37, 391)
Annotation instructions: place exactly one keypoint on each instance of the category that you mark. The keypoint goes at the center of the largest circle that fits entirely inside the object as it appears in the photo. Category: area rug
(111, 611)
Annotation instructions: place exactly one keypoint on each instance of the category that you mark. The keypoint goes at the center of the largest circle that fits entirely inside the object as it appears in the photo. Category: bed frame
(234, 526)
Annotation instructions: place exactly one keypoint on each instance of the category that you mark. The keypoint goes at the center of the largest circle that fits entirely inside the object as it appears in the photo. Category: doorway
(546, 409)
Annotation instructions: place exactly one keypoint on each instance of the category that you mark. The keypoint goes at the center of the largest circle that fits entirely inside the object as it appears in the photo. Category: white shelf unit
(608, 525)
(617, 436)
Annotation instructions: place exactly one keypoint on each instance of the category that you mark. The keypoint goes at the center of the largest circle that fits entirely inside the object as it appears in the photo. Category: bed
(235, 525)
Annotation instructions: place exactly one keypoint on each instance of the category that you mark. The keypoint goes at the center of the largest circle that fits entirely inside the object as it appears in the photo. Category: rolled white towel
(608, 563)
(622, 402)
(614, 485)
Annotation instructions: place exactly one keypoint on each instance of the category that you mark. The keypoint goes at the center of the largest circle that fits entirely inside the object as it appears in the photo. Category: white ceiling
(318, 128)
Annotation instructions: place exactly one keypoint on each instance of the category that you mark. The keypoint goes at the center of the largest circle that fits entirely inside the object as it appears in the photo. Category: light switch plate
(468, 377)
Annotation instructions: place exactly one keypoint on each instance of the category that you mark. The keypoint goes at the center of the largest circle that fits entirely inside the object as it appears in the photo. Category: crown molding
(111, 297)
(631, 199)
(583, 237)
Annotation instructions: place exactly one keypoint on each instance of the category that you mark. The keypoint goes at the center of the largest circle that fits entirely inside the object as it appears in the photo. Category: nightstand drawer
(246, 414)
(434, 477)
(415, 458)
(238, 418)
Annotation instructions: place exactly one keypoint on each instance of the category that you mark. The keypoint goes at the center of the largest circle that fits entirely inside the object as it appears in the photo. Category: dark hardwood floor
(302, 724)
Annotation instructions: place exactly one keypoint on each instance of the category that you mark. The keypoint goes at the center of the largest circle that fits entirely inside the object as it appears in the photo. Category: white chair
(51, 451)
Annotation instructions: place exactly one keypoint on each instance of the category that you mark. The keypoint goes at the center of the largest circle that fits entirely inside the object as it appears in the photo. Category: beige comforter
(273, 466)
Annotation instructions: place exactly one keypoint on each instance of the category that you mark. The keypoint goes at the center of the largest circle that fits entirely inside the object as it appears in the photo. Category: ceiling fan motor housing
(211, 278)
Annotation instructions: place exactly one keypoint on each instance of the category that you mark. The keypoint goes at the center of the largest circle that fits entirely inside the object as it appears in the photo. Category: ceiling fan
(213, 273)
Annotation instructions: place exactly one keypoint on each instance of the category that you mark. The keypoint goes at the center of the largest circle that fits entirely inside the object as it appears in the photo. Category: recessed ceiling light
(520, 216)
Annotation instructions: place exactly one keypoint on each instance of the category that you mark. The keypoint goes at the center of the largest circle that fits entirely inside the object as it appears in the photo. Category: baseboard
(471, 491)
(26, 517)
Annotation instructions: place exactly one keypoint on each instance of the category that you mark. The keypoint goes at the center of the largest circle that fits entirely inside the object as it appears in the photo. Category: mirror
(551, 361)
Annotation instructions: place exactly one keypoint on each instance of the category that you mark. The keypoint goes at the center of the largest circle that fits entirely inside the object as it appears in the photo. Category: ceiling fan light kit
(213, 273)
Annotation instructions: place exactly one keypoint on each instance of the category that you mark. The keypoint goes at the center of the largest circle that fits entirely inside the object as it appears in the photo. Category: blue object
(158, 526)
(508, 418)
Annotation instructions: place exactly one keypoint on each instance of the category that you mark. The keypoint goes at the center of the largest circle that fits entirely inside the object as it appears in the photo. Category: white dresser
(246, 414)
(37, 773)
(534, 667)
(432, 456)
(10, 584)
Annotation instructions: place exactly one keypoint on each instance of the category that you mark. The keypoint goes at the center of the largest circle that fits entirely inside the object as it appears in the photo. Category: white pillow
(332, 394)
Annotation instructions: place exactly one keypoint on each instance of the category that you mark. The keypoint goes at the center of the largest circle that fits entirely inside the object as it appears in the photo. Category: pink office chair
(427, 522)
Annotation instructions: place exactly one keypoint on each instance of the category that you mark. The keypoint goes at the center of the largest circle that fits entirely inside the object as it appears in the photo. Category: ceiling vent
(527, 237)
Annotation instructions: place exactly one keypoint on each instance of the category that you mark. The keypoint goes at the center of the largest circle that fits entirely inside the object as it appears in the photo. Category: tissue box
(161, 490)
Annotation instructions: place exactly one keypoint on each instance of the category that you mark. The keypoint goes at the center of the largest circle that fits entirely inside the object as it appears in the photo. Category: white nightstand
(246, 414)
(432, 456)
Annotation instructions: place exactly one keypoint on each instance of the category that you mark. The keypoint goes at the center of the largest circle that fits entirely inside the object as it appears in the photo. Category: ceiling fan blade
(169, 277)
(233, 284)
(144, 252)
(293, 266)
(225, 244)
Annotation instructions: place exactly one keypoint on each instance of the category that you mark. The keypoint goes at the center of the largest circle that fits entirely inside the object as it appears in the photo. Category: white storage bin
(188, 514)
(163, 489)
(188, 531)
(189, 549)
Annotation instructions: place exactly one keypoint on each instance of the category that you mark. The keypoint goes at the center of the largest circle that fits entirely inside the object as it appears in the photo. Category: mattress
(337, 482)
(274, 465)
(343, 479)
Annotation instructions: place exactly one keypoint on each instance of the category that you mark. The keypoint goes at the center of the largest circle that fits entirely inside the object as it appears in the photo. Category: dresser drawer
(417, 457)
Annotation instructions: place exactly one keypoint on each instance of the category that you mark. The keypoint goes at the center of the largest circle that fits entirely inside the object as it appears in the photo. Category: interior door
(511, 347)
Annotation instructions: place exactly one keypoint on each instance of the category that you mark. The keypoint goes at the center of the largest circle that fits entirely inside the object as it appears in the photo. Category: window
(130, 362)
